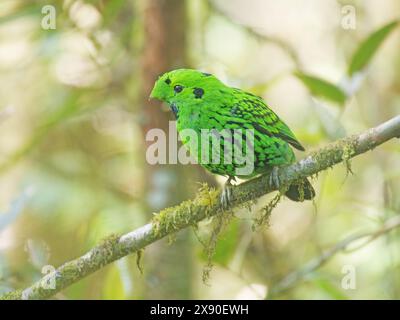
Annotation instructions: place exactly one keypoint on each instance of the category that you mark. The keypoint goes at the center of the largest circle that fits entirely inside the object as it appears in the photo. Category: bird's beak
(152, 93)
(157, 92)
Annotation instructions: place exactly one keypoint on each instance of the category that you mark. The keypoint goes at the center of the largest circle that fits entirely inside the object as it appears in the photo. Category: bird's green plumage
(201, 101)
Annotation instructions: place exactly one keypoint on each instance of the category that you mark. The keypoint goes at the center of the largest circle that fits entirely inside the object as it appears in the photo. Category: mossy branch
(205, 204)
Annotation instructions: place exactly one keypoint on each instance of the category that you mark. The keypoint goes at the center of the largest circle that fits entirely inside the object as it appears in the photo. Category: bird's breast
(189, 119)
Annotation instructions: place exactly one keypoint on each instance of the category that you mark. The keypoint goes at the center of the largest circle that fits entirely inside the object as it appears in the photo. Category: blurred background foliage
(74, 112)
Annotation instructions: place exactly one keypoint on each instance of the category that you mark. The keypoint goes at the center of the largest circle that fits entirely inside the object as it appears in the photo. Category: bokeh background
(74, 112)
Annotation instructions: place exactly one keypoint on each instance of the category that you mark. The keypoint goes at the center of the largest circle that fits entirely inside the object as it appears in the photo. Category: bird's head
(184, 85)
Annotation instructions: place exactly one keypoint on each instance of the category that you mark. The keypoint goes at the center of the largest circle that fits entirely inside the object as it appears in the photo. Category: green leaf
(330, 289)
(227, 244)
(19, 12)
(112, 9)
(368, 47)
(113, 288)
(322, 88)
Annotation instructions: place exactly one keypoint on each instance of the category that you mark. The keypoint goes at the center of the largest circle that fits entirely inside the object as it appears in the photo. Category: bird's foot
(274, 181)
(226, 194)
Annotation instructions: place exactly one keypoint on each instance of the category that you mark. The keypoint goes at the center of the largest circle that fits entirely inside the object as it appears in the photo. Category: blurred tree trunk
(168, 268)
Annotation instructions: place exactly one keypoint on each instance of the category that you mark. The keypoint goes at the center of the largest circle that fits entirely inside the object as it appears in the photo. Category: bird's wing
(263, 118)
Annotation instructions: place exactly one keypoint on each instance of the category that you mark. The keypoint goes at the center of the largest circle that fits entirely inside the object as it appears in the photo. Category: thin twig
(292, 279)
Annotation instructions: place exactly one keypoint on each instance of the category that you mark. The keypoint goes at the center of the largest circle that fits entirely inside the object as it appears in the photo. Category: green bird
(201, 102)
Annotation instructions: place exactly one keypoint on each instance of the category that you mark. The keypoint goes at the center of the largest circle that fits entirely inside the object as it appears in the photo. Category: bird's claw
(274, 178)
(226, 194)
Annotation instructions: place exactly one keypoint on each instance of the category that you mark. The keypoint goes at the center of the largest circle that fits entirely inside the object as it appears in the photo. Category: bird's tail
(300, 191)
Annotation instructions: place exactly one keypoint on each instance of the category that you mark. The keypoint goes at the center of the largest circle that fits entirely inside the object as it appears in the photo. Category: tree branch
(206, 204)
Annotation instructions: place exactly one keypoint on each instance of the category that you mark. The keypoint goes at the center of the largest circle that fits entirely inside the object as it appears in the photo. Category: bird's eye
(178, 88)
